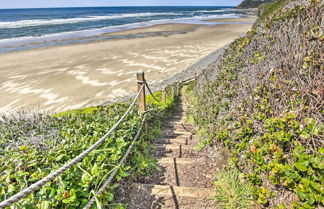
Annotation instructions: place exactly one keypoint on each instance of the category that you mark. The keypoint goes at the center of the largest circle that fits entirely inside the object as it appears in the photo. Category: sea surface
(22, 29)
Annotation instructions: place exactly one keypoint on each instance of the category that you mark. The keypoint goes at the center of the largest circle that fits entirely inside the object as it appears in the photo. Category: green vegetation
(270, 8)
(231, 190)
(34, 145)
(264, 102)
(252, 3)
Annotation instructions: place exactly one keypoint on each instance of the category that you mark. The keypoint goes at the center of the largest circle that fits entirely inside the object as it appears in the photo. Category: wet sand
(74, 76)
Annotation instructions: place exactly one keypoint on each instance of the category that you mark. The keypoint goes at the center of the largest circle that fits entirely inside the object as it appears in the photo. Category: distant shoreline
(123, 34)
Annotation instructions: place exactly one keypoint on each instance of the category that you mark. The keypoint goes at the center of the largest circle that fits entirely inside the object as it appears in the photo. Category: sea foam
(43, 22)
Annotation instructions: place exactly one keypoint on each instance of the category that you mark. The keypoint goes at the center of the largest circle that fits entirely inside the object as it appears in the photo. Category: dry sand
(74, 76)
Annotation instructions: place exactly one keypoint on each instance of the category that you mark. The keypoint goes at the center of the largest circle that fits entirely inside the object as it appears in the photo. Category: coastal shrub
(263, 100)
(34, 145)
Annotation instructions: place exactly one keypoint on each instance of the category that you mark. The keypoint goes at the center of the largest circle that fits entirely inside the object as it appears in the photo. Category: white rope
(34, 187)
(112, 175)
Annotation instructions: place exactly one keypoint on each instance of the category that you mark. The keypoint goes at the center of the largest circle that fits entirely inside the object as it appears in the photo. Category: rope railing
(151, 93)
(112, 175)
(34, 187)
(142, 107)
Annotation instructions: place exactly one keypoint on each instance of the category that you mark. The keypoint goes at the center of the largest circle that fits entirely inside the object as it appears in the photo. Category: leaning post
(141, 98)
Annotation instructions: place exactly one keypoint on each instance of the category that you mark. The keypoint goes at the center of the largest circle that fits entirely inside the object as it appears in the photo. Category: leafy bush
(33, 146)
(263, 100)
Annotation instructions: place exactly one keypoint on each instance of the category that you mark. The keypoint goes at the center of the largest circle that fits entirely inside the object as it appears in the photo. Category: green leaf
(305, 134)
(321, 150)
(123, 173)
(11, 188)
(310, 123)
(45, 205)
(301, 195)
(315, 186)
(281, 206)
(58, 158)
(110, 196)
(318, 162)
(95, 170)
(310, 198)
(302, 165)
(86, 178)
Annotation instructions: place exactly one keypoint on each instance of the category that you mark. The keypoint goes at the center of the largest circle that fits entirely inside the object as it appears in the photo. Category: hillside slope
(252, 3)
(264, 101)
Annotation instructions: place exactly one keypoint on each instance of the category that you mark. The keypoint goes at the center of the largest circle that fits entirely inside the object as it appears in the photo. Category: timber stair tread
(179, 191)
(173, 146)
(174, 150)
(175, 132)
(177, 140)
(173, 160)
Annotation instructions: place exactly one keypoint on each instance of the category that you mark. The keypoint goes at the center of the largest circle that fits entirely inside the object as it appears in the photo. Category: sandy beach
(74, 76)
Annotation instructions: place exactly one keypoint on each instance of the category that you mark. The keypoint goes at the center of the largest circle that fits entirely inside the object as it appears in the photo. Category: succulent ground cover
(263, 100)
(33, 145)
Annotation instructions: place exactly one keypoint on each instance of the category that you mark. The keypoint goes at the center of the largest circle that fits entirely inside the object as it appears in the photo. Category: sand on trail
(74, 76)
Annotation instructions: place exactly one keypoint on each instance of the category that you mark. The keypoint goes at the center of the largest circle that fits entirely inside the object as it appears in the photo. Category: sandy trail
(74, 76)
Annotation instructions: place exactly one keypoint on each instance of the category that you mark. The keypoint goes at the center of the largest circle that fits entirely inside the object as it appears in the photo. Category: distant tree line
(253, 3)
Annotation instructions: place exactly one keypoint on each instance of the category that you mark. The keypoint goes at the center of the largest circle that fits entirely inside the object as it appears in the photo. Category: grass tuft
(231, 192)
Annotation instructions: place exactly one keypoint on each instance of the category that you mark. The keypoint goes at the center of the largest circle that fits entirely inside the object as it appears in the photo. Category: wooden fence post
(172, 91)
(178, 88)
(141, 98)
(163, 95)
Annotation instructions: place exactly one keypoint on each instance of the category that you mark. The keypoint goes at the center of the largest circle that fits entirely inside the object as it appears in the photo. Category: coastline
(102, 72)
(233, 20)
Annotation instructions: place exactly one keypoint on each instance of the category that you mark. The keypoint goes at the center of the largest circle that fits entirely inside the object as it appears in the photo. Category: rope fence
(142, 107)
(34, 187)
(112, 175)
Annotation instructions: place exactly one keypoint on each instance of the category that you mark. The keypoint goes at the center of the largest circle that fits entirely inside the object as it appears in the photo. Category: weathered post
(163, 95)
(172, 91)
(141, 98)
(178, 89)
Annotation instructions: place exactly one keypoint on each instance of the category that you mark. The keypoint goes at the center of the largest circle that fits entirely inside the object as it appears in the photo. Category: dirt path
(186, 177)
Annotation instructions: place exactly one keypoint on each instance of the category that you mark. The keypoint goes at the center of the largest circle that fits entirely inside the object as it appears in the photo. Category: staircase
(186, 177)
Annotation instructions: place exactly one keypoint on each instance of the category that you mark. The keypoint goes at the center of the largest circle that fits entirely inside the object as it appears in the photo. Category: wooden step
(173, 146)
(176, 123)
(177, 141)
(174, 150)
(169, 132)
(164, 190)
(171, 160)
(177, 117)
(183, 127)
(177, 120)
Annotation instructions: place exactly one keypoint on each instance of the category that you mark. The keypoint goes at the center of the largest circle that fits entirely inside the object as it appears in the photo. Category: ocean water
(29, 28)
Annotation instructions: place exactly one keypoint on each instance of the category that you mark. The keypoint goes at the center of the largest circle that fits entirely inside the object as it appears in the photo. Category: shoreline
(102, 72)
(76, 37)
